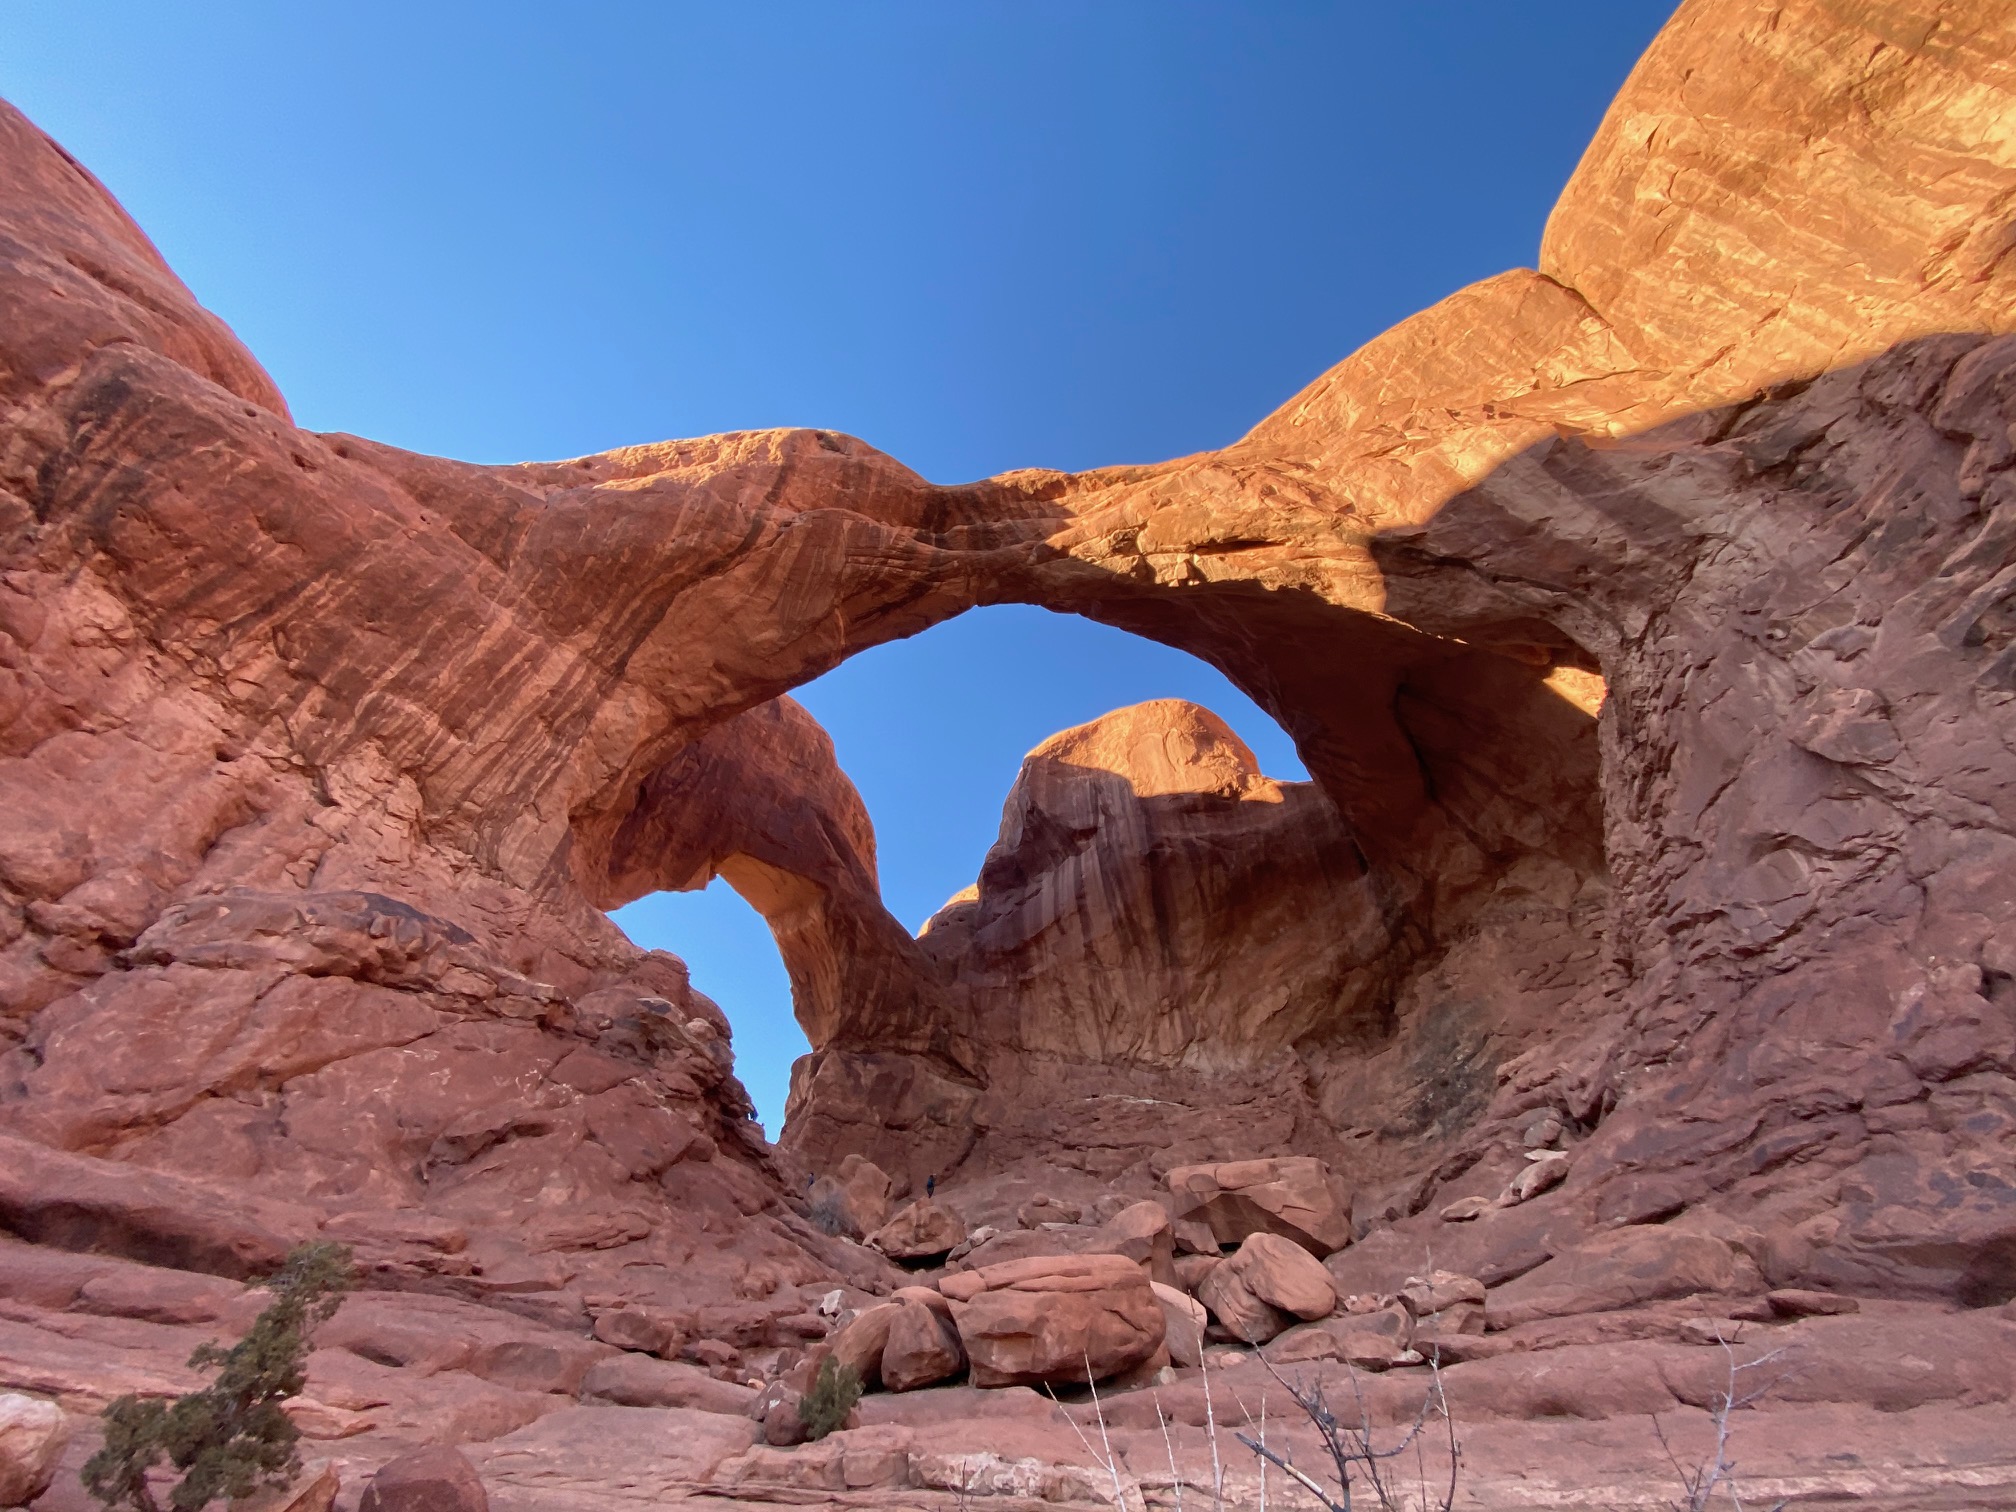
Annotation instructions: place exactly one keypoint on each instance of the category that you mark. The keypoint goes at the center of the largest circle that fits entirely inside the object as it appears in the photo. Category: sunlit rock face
(1154, 898)
(1644, 623)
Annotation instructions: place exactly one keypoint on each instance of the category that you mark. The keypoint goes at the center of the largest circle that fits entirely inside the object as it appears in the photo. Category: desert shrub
(828, 1212)
(231, 1438)
(834, 1392)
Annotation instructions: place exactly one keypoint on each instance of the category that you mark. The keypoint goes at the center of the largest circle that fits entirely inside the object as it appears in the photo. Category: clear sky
(977, 234)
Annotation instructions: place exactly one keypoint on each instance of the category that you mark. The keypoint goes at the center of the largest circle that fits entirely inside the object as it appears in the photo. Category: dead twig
(1717, 1471)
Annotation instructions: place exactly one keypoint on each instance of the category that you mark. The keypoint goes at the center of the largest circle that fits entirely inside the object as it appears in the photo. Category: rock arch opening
(1167, 953)
(932, 732)
(732, 957)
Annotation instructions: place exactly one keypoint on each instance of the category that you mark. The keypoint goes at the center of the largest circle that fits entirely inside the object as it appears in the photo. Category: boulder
(1440, 1289)
(428, 1480)
(1369, 1341)
(1055, 1319)
(1541, 1175)
(1294, 1196)
(1460, 1320)
(923, 1346)
(859, 1342)
(777, 1415)
(314, 1490)
(33, 1436)
(1142, 1232)
(1184, 1320)
(921, 1231)
(1038, 1211)
(1237, 1313)
(853, 1201)
(634, 1328)
(1192, 1269)
(1194, 1237)
(867, 1187)
(1284, 1275)
(1543, 1130)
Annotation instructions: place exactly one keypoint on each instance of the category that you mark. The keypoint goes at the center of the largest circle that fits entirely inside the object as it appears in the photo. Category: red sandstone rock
(430, 1480)
(859, 1343)
(1235, 1311)
(315, 1489)
(1616, 1270)
(1070, 1318)
(1281, 1274)
(1438, 1290)
(1370, 1341)
(923, 1347)
(1295, 1197)
(33, 1436)
(922, 1231)
(630, 1380)
(1184, 1320)
(299, 912)
(1192, 1269)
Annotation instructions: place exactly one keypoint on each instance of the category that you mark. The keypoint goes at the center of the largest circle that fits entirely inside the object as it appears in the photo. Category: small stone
(1463, 1209)
(1543, 1132)
(1790, 1302)
(1548, 1170)
(1713, 1331)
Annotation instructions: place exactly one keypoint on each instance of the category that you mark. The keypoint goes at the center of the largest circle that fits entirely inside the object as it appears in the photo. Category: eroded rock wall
(319, 758)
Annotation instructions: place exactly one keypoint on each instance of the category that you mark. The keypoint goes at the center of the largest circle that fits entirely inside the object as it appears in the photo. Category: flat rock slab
(585, 1458)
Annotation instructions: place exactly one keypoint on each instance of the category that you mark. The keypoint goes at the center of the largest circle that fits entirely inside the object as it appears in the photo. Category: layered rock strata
(1643, 621)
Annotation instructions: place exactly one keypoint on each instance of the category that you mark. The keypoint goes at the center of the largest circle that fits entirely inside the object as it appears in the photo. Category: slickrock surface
(1639, 949)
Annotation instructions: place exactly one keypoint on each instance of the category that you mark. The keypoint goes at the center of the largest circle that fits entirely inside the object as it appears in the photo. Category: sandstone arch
(1739, 446)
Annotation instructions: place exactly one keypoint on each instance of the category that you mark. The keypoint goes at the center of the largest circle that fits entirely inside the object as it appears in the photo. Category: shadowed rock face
(1644, 622)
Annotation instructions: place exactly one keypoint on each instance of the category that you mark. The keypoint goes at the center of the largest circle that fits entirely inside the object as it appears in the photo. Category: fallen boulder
(1055, 1319)
(33, 1436)
(1369, 1341)
(428, 1480)
(1236, 1312)
(1294, 1196)
(1283, 1274)
(921, 1231)
(858, 1344)
(1425, 1295)
(315, 1489)
(923, 1347)
(1183, 1323)
(853, 1200)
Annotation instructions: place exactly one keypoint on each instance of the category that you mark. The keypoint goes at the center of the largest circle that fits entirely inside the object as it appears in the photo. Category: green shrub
(834, 1392)
(230, 1438)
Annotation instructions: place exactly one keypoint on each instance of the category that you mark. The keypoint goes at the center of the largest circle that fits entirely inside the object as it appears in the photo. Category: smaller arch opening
(732, 956)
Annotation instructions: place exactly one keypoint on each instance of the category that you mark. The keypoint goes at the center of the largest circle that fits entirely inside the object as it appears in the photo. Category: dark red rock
(428, 1480)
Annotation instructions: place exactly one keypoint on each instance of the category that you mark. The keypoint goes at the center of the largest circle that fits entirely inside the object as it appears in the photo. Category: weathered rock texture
(1644, 622)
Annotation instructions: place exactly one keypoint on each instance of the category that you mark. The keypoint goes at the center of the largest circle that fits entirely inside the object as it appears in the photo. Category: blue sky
(979, 235)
